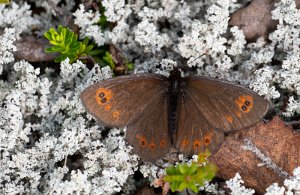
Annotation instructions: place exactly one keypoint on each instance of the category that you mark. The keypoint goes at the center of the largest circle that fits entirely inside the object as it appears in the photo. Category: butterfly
(190, 113)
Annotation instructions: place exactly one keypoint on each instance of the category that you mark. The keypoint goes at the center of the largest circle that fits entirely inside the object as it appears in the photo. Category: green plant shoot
(184, 176)
(66, 43)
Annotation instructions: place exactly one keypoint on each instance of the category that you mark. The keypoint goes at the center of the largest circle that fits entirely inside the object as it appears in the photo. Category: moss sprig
(190, 176)
(66, 43)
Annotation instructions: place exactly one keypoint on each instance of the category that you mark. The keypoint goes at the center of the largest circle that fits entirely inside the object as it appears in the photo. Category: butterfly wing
(224, 105)
(121, 100)
(135, 101)
(194, 133)
(149, 134)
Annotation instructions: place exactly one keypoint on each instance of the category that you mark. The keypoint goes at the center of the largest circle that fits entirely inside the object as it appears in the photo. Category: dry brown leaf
(118, 59)
(32, 49)
(274, 140)
(160, 182)
(255, 19)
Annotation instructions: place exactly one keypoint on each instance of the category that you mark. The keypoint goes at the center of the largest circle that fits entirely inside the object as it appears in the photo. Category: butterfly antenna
(205, 52)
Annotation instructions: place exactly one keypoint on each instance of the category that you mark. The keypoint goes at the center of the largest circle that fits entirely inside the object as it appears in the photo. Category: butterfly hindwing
(224, 105)
(149, 133)
(194, 133)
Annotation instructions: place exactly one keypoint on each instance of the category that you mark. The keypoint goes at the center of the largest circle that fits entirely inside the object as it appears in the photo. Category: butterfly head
(175, 74)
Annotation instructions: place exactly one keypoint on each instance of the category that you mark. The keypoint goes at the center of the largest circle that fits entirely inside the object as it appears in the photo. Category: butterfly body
(190, 113)
(173, 94)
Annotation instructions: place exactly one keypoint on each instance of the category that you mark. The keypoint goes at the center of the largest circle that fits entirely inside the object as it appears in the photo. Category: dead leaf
(119, 60)
(160, 182)
(32, 49)
(255, 19)
(273, 140)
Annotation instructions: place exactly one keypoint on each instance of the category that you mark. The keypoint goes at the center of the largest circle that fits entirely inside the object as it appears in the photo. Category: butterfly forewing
(194, 133)
(119, 101)
(224, 105)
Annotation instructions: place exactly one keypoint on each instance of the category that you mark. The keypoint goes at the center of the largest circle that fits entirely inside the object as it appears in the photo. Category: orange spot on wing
(103, 96)
(208, 137)
(162, 143)
(116, 114)
(152, 146)
(239, 114)
(245, 103)
(196, 144)
(229, 118)
(184, 142)
(108, 107)
(142, 140)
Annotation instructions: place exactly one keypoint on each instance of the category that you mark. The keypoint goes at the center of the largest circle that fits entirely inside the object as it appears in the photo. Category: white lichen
(291, 185)
(147, 35)
(18, 17)
(7, 47)
(236, 186)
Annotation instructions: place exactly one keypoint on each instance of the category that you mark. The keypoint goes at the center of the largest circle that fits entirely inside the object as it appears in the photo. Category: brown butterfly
(190, 113)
